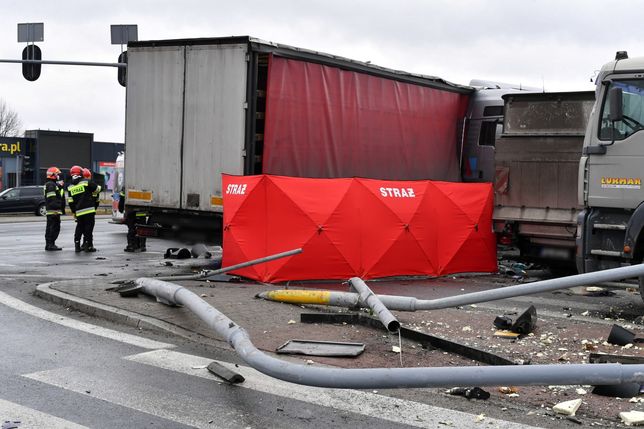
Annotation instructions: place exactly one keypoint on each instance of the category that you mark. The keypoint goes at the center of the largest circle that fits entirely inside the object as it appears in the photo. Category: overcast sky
(557, 45)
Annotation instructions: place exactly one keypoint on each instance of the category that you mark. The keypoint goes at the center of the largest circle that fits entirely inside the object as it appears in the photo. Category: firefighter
(82, 203)
(96, 195)
(132, 218)
(55, 205)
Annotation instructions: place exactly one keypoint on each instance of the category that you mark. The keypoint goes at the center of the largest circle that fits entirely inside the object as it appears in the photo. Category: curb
(116, 315)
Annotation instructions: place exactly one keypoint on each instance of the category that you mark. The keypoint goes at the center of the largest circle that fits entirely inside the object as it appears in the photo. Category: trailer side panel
(325, 121)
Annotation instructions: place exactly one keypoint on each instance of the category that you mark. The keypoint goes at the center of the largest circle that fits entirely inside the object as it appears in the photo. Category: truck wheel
(41, 210)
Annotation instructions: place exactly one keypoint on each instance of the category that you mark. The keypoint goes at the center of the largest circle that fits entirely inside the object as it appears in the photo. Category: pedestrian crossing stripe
(68, 322)
(24, 417)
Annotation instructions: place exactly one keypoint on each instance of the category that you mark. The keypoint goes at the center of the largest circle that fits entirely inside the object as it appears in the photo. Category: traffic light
(122, 72)
(31, 71)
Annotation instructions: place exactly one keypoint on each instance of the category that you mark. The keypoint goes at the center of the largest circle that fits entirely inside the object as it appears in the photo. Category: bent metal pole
(371, 299)
(407, 303)
(208, 273)
(385, 378)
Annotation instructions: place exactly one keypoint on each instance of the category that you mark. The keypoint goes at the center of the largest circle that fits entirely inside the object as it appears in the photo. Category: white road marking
(122, 337)
(29, 418)
(382, 407)
(175, 406)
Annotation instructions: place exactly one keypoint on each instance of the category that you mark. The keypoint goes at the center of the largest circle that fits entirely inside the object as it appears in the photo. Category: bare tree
(10, 123)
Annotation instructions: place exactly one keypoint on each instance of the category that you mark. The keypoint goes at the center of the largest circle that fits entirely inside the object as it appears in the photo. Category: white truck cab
(609, 229)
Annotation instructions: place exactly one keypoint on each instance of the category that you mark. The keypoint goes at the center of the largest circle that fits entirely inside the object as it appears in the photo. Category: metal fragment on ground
(321, 348)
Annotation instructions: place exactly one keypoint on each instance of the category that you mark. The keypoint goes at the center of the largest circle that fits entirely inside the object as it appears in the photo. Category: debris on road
(502, 322)
(508, 390)
(177, 253)
(526, 322)
(506, 334)
(568, 408)
(224, 373)
(632, 418)
(321, 348)
(469, 392)
(622, 337)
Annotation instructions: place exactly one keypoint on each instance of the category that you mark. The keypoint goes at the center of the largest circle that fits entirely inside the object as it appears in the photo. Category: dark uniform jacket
(54, 198)
(81, 197)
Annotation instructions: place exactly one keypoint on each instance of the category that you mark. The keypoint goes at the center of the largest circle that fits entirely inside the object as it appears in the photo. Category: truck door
(615, 178)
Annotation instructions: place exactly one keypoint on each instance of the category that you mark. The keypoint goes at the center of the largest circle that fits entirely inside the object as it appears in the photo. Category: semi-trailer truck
(198, 108)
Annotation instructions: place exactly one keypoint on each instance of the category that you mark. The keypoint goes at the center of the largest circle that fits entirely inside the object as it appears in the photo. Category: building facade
(25, 160)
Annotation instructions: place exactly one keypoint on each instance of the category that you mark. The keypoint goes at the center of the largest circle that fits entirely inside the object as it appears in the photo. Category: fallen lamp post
(407, 303)
(371, 378)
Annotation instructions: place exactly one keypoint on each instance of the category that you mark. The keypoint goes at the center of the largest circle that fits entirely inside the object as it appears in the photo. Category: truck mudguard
(324, 121)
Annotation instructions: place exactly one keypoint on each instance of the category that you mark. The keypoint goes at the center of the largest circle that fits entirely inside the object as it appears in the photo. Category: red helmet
(86, 173)
(53, 172)
(76, 171)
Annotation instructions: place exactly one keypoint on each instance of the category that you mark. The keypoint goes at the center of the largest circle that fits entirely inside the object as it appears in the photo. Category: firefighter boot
(142, 247)
(52, 246)
(89, 247)
(131, 247)
(77, 246)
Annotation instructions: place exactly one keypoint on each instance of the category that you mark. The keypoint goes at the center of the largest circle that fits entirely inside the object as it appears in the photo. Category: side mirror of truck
(615, 104)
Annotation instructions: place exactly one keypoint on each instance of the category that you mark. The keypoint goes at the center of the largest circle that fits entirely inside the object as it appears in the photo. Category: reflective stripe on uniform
(141, 214)
(54, 212)
(51, 194)
(77, 189)
(85, 211)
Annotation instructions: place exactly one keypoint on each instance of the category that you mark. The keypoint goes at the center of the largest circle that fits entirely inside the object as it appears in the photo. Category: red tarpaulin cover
(357, 227)
(323, 121)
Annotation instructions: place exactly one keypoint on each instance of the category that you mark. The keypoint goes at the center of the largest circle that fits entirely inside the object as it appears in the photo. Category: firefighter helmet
(76, 171)
(53, 172)
(86, 173)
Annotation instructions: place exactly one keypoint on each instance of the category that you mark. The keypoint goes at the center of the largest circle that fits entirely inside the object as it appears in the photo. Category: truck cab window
(633, 105)
(490, 131)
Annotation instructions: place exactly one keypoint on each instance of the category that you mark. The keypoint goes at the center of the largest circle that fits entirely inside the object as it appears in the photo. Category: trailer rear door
(213, 141)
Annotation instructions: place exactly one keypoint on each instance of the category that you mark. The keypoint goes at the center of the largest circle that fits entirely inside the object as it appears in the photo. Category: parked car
(23, 199)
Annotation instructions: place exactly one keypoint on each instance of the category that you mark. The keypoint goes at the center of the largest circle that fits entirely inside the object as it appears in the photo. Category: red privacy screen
(357, 227)
(323, 121)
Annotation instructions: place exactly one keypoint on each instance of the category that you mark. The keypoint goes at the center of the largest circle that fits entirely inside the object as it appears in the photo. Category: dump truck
(197, 108)
(609, 228)
(529, 145)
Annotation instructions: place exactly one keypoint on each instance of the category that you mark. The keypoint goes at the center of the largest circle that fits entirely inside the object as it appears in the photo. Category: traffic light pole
(65, 63)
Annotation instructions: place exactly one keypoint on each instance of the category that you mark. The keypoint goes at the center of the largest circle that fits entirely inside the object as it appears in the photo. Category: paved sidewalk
(271, 324)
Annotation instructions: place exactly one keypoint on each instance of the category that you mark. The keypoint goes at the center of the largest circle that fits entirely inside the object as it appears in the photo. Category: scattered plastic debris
(469, 392)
